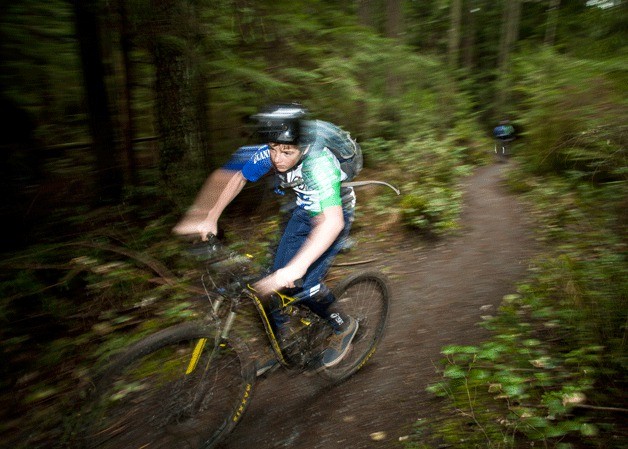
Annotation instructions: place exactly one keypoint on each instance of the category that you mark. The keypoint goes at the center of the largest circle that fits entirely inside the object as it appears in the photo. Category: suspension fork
(219, 340)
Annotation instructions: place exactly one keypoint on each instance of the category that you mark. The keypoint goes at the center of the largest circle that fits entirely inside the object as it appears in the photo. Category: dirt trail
(439, 294)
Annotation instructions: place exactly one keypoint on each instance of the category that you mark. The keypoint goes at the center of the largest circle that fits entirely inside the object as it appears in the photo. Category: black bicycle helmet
(280, 123)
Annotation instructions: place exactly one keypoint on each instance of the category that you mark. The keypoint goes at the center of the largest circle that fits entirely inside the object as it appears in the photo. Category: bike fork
(200, 344)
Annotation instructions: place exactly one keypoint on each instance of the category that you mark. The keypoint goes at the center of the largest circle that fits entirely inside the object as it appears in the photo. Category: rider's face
(283, 156)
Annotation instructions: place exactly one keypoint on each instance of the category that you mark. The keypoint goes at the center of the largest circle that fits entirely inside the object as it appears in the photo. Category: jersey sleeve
(241, 157)
(258, 164)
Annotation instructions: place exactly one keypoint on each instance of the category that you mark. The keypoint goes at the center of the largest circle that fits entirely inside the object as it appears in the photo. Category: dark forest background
(113, 114)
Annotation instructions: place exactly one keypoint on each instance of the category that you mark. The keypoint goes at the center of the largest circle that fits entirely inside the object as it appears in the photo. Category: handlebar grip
(211, 239)
(206, 249)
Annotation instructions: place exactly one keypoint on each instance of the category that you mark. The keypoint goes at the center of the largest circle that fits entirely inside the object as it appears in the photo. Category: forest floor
(440, 291)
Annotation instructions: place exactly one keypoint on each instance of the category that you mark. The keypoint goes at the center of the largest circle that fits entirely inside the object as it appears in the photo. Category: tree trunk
(180, 91)
(552, 22)
(108, 178)
(171, 83)
(394, 19)
(510, 34)
(455, 33)
(365, 12)
(394, 26)
(469, 38)
(202, 128)
(365, 17)
(126, 109)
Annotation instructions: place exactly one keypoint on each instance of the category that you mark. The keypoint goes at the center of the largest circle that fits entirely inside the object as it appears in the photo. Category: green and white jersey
(316, 182)
(315, 179)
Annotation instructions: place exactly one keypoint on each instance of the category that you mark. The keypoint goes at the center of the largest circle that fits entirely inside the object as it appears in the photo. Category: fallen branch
(601, 408)
(153, 264)
(585, 406)
(350, 264)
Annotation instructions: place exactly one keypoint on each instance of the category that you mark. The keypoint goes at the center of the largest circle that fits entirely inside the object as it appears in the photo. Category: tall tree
(394, 28)
(469, 36)
(394, 18)
(509, 36)
(108, 185)
(365, 12)
(509, 32)
(174, 43)
(455, 25)
(552, 21)
(127, 119)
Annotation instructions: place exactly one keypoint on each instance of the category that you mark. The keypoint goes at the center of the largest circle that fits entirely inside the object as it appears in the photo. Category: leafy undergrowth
(431, 199)
(554, 373)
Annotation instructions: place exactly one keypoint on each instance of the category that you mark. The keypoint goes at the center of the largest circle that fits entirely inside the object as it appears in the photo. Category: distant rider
(504, 133)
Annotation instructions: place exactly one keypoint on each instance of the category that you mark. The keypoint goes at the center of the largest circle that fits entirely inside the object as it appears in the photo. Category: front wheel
(366, 297)
(176, 388)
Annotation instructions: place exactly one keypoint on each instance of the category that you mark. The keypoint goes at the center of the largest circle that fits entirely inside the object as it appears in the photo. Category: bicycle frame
(270, 333)
(234, 296)
(286, 302)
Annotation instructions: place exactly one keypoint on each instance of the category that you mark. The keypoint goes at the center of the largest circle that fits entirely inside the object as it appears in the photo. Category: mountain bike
(188, 386)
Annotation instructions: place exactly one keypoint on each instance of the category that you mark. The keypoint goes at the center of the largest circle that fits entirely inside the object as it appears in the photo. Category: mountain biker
(295, 152)
(504, 133)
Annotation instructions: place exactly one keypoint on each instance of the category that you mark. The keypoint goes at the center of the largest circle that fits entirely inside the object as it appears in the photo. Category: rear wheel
(364, 296)
(176, 388)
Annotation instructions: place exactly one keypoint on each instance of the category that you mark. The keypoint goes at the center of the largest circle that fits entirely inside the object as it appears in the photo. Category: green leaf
(454, 372)
(589, 430)
(454, 349)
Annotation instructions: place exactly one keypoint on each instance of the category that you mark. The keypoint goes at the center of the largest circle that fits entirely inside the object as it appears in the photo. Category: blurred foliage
(68, 307)
(573, 113)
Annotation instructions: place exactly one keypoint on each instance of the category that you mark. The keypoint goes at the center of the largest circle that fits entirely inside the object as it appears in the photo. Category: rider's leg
(319, 298)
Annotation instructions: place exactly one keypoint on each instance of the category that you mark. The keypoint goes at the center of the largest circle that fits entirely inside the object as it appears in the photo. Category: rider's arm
(210, 224)
(327, 226)
(251, 164)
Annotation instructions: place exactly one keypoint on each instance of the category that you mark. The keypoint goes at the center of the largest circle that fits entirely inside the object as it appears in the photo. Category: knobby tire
(145, 398)
(366, 297)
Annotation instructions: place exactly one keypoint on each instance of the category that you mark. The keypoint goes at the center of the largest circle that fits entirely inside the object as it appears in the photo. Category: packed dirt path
(440, 292)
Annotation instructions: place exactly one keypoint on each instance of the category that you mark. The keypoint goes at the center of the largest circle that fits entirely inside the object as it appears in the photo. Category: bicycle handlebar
(213, 251)
(206, 249)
